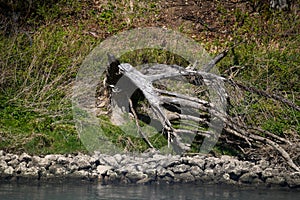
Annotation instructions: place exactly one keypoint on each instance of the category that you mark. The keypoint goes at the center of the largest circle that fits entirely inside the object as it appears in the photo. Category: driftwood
(125, 83)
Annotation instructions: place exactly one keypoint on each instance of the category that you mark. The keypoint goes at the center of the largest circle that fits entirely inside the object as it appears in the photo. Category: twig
(145, 138)
(265, 94)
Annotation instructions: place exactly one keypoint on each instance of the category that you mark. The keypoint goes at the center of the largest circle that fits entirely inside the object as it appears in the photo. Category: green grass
(23, 129)
(39, 65)
(43, 50)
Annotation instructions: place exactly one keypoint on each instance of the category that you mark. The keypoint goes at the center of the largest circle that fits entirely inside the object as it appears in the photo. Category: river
(87, 191)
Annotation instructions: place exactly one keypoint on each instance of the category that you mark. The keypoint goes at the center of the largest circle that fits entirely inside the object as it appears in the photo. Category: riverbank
(143, 169)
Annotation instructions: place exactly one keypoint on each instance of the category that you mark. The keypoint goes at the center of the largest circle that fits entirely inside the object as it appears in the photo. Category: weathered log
(165, 106)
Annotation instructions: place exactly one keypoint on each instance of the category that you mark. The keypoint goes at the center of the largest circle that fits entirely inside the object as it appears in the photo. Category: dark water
(185, 191)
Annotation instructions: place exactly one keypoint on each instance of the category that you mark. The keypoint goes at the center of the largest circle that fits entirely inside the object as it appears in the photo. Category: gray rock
(118, 158)
(144, 180)
(180, 168)
(2, 153)
(169, 173)
(169, 162)
(219, 169)
(35, 160)
(152, 173)
(8, 157)
(159, 157)
(200, 162)
(210, 163)
(9, 170)
(237, 171)
(267, 173)
(42, 171)
(93, 176)
(63, 160)
(293, 180)
(81, 174)
(184, 177)
(21, 168)
(248, 178)
(141, 168)
(57, 170)
(111, 161)
(130, 168)
(195, 171)
(255, 169)
(72, 167)
(102, 169)
(146, 168)
(134, 176)
(24, 157)
(230, 167)
(226, 176)
(32, 172)
(277, 180)
(112, 176)
(162, 172)
(93, 161)
(209, 172)
(264, 164)
(166, 179)
(226, 159)
(52, 157)
(83, 164)
(3, 165)
(121, 170)
(245, 166)
(208, 176)
(44, 162)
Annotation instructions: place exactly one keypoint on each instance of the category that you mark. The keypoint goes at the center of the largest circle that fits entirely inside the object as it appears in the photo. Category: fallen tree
(125, 86)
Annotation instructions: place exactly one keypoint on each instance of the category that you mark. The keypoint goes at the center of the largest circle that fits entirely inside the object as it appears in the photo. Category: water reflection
(87, 191)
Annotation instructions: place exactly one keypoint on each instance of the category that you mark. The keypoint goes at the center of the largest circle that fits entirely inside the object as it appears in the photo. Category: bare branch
(145, 138)
(265, 94)
(170, 107)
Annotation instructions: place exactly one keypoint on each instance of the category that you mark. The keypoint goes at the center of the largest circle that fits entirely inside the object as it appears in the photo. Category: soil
(204, 20)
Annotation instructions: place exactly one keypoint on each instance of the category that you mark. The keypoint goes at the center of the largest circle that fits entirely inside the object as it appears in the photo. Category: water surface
(87, 191)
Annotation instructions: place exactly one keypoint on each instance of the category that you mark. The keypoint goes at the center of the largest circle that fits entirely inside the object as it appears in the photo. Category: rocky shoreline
(144, 169)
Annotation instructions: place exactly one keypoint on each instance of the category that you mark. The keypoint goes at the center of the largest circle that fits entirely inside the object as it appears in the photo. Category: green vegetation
(43, 45)
(269, 60)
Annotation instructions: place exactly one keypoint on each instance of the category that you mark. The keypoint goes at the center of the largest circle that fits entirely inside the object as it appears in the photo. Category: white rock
(9, 170)
(24, 157)
(83, 164)
(3, 164)
(44, 162)
(51, 157)
(102, 169)
(226, 176)
(62, 160)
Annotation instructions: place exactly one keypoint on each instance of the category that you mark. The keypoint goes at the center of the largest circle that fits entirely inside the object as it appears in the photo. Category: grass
(269, 60)
(46, 46)
(39, 65)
